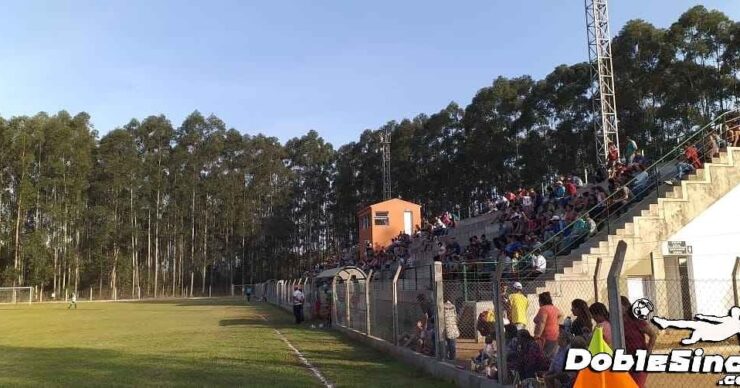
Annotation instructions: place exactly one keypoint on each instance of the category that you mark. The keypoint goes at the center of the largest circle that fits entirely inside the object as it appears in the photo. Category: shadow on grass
(243, 322)
(224, 301)
(95, 367)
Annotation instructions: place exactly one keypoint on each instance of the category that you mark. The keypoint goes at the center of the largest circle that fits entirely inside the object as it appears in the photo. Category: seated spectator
(537, 265)
(556, 376)
(571, 187)
(683, 168)
(529, 359)
(485, 358)
(485, 245)
(454, 247)
(692, 155)
(714, 142)
(577, 180)
(640, 182)
(440, 228)
(441, 252)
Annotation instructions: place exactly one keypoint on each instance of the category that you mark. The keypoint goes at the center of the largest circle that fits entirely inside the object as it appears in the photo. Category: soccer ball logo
(642, 308)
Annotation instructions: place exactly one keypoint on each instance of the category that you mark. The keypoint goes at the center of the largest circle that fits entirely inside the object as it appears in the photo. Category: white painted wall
(715, 238)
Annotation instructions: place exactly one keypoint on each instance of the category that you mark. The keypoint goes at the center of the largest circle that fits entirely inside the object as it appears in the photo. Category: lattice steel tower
(385, 142)
(602, 78)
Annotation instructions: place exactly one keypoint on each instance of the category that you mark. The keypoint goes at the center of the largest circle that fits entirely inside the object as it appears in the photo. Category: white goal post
(16, 295)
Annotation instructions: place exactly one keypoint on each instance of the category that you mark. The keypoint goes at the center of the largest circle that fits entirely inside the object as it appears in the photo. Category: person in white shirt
(72, 301)
(539, 264)
(298, 299)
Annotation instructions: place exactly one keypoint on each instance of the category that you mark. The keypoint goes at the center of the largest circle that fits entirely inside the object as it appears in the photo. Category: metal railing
(613, 212)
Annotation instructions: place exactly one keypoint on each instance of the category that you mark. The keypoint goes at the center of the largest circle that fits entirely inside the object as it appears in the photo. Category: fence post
(596, 279)
(347, 310)
(503, 372)
(615, 303)
(736, 297)
(465, 282)
(334, 299)
(438, 289)
(367, 301)
(394, 290)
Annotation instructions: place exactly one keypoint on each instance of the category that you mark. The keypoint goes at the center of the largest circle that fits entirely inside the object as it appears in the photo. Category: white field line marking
(303, 359)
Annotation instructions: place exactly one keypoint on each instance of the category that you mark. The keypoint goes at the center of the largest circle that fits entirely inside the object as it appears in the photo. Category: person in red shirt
(613, 154)
(635, 333)
(692, 154)
(571, 188)
(547, 325)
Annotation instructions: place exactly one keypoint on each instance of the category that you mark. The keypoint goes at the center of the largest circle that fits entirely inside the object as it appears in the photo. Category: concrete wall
(715, 238)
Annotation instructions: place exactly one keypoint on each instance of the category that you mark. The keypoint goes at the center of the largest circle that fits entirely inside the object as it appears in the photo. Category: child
(486, 356)
(73, 302)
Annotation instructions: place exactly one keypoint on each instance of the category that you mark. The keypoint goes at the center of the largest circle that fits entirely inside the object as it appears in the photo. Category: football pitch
(194, 342)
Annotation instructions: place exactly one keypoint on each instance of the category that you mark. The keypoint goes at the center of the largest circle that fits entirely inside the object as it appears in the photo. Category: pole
(615, 303)
(441, 348)
(596, 279)
(367, 302)
(503, 373)
(394, 290)
(735, 295)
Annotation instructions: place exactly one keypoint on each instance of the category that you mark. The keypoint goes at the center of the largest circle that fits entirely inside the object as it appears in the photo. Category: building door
(408, 221)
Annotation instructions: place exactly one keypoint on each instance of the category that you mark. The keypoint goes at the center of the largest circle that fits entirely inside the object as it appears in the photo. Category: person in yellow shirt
(519, 305)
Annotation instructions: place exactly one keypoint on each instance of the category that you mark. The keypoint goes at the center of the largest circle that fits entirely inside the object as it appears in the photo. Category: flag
(607, 379)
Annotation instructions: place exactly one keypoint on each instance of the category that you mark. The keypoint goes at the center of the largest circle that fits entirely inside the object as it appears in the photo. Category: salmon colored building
(383, 221)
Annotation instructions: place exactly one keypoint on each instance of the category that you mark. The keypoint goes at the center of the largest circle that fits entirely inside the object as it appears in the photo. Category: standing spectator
(557, 376)
(635, 331)
(547, 325)
(582, 325)
(601, 316)
(613, 154)
(630, 150)
(298, 299)
(519, 305)
(73, 301)
(248, 291)
(368, 249)
(451, 330)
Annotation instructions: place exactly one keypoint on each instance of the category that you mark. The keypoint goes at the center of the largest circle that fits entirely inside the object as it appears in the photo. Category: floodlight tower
(602, 78)
(385, 142)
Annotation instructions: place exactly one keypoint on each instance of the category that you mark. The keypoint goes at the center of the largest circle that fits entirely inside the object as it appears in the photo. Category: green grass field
(206, 342)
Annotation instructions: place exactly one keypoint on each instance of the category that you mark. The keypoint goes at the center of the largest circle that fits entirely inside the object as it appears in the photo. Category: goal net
(16, 294)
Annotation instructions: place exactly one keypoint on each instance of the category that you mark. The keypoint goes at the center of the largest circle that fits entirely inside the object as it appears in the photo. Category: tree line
(150, 209)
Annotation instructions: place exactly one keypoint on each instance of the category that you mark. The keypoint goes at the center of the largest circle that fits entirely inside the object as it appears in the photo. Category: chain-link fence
(416, 309)
(686, 307)
(381, 305)
(357, 304)
(340, 301)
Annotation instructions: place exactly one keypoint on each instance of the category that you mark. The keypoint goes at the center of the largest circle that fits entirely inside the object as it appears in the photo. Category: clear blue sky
(284, 67)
